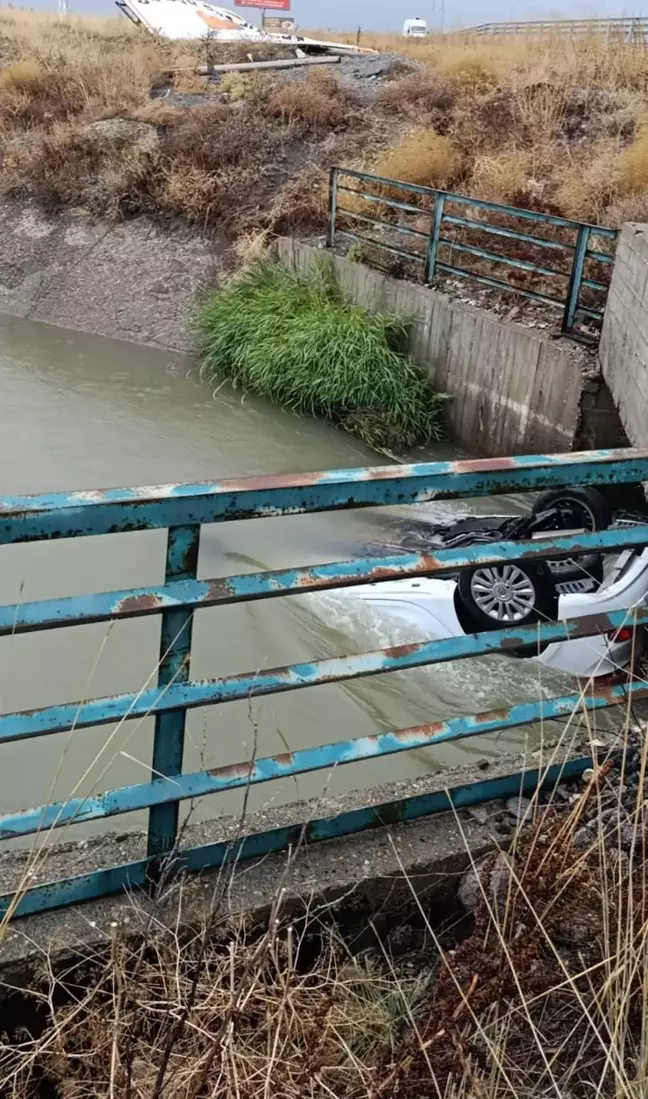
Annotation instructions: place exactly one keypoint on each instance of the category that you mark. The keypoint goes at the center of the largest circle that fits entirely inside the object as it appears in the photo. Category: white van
(414, 28)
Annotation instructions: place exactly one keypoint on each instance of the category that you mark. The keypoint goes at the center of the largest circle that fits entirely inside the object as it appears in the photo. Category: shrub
(589, 183)
(500, 178)
(303, 203)
(518, 176)
(249, 87)
(211, 165)
(211, 139)
(317, 102)
(470, 74)
(43, 89)
(423, 157)
(425, 91)
(32, 94)
(634, 165)
(72, 166)
(292, 339)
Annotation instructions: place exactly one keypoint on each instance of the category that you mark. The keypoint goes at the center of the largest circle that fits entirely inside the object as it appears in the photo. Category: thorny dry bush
(221, 1011)
(547, 123)
(557, 126)
(78, 128)
(546, 995)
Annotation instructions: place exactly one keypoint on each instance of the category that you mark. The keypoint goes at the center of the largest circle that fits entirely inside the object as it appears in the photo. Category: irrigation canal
(84, 412)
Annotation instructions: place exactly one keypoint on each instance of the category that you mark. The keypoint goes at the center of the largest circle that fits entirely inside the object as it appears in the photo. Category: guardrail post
(332, 207)
(433, 244)
(576, 277)
(175, 650)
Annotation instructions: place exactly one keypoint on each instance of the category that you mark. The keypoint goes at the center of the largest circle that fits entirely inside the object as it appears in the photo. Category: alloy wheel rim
(505, 594)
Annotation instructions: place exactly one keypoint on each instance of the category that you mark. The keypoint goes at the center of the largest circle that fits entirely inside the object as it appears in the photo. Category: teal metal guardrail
(571, 241)
(182, 509)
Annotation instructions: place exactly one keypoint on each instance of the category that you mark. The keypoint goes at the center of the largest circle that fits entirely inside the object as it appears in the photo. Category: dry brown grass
(419, 94)
(221, 165)
(319, 102)
(421, 157)
(303, 202)
(471, 74)
(503, 177)
(551, 124)
(545, 122)
(546, 993)
(634, 166)
(590, 182)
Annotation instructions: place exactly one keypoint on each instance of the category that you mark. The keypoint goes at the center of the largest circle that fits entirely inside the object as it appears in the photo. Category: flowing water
(84, 412)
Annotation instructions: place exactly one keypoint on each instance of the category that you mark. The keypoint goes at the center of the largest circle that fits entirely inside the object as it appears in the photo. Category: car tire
(509, 594)
(589, 510)
(592, 505)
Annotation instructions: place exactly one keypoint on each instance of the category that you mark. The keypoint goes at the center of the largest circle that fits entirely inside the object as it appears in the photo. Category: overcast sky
(385, 15)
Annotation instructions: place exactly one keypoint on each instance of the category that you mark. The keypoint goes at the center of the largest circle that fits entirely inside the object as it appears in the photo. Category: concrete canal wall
(623, 349)
(514, 390)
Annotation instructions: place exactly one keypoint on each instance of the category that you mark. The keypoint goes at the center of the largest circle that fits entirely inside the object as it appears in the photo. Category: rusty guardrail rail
(181, 509)
(425, 230)
(632, 30)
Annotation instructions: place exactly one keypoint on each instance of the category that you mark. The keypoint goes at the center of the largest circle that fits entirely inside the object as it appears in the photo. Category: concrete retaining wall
(623, 350)
(514, 390)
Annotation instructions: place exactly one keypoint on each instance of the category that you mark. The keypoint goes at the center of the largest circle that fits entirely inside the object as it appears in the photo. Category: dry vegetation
(545, 994)
(549, 124)
(96, 115)
(552, 125)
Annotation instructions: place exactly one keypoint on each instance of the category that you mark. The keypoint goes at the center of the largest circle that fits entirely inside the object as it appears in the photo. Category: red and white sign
(270, 5)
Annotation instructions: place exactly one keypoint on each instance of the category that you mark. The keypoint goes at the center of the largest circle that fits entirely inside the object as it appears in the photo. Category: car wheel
(584, 574)
(575, 508)
(509, 594)
(583, 507)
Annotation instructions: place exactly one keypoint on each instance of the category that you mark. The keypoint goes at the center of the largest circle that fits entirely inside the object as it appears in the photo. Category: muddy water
(83, 412)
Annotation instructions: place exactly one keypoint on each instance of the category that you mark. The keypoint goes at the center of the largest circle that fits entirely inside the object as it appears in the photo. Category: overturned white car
(524, 594)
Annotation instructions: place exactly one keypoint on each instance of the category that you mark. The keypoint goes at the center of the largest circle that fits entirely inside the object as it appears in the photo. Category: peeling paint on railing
(183, 508)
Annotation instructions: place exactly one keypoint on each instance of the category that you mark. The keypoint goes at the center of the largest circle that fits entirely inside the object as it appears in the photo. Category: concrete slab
(132, 280)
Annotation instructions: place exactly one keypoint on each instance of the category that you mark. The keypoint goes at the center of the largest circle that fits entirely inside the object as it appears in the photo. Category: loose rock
(519, 808)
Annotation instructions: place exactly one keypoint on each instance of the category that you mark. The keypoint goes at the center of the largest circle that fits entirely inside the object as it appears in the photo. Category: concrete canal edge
(514, 390)
(375, 874)
(127, 280)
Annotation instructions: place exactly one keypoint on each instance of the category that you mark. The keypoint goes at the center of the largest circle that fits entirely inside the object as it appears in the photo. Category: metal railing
(433, 249)
(632, 30)
(181, 509)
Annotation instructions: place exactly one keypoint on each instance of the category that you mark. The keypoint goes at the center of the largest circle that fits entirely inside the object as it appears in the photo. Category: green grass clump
(293, 339)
